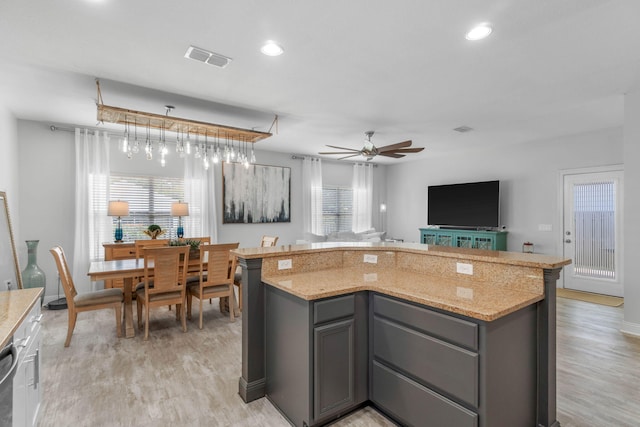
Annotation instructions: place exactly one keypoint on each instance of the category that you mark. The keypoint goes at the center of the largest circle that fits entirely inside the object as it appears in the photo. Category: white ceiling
(402, 68)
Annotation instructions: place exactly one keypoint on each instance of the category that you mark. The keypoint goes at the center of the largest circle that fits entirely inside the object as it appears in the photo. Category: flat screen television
(469, 205)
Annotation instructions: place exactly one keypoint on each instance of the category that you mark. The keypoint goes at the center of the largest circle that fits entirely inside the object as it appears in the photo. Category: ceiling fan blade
(394, 155)
(337, 152)
(342, 148)
(346, 157)
(406, 150)
(394, 146)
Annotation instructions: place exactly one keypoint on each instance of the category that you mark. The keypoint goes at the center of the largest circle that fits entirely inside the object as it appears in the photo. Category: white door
(593, 231)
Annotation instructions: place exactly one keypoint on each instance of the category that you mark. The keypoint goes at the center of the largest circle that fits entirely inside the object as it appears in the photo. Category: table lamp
(119, 209)
(180, 209)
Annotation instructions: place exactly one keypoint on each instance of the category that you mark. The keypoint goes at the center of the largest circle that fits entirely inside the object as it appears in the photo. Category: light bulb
(125, 144)
(136, 147)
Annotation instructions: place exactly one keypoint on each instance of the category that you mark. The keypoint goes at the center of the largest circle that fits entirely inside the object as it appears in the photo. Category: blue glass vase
(32, 275)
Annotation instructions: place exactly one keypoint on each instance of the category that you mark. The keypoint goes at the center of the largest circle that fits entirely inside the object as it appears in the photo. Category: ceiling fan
(370, 151)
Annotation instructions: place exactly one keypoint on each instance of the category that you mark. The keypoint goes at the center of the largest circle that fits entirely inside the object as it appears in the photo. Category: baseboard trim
(630, 328)
(251, 391)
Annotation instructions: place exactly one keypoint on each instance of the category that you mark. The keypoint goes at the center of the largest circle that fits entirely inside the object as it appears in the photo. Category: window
(150, 199)
(337, 204)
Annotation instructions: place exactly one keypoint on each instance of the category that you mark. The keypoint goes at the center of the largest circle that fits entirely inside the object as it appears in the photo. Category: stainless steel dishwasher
(8, 368)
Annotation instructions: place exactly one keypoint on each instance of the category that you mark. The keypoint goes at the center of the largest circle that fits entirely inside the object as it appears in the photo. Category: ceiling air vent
(463, 129)
(207, 57)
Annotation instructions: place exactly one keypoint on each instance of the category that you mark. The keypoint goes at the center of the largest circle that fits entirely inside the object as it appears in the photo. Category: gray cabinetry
(431, 368)
(334, 365)
(316, 357)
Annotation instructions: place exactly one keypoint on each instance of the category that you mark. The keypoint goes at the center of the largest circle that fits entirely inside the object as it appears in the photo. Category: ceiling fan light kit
(369, 150)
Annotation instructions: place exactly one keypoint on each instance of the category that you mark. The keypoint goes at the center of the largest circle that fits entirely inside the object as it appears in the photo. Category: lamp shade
(180, 209)
(118, 208)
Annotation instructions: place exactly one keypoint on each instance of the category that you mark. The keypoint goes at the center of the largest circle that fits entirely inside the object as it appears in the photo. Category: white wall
(46, 184)
(631, 323)
(9, 168)
(528, 175)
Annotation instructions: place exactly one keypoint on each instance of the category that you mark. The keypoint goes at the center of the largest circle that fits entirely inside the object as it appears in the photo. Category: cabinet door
(484, 242)
(444, 239)
(464, 241)
(333, 368)
(429, 238)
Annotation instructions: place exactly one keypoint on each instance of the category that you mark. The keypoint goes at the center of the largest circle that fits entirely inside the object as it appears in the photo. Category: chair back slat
(218, 263)
(268, 241)
(139, 245)
(167, 266)
(65, 274)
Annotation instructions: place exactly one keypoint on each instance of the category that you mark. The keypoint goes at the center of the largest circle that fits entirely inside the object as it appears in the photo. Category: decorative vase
(32, 275)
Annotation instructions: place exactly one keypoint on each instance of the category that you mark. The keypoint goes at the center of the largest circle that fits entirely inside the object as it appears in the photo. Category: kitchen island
(428, 335)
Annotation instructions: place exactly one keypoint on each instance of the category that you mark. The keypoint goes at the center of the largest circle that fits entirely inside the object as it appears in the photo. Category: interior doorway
(592, 230)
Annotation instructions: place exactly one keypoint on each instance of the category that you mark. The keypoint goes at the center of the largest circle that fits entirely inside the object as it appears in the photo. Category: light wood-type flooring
(191, 379)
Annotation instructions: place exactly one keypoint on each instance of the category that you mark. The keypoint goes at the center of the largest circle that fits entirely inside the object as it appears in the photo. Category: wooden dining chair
(139, 245)
(217, 268)
(168, 268)
(265, 242)
(76, 303)
(268, 241)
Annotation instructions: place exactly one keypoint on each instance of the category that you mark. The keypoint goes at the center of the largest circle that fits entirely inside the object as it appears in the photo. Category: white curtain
(199, 193)
(312, 195)
(93, 226)
(362, 197)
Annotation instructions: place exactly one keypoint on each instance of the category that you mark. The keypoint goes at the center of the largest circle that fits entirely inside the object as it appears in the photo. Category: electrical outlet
(545, 227)
(371, 259)
(463, 268)
(284, 264)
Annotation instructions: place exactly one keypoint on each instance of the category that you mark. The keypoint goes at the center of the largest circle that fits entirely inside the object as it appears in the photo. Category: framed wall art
(255, 194)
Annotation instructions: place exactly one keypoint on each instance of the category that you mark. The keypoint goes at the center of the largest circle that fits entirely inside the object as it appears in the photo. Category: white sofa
(345, 236)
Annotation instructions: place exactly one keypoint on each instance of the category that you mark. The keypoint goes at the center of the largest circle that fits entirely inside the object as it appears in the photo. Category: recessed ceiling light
(271, 48)
(479, 32)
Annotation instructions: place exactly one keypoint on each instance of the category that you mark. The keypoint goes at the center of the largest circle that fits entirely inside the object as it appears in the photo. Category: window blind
(337, 207)
(150, 199)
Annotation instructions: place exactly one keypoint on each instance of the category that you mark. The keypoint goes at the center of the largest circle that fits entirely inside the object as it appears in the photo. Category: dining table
(129, 270)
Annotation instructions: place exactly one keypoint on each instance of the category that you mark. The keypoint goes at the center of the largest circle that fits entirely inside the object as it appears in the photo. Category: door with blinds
(593, 230)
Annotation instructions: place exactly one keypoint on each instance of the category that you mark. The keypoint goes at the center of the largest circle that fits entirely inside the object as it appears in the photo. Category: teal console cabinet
(492, 240)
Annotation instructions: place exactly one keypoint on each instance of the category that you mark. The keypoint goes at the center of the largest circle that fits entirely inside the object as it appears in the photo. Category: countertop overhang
(14, 307)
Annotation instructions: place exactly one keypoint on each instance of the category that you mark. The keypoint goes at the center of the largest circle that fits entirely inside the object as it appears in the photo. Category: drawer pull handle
(24, 342)
(36, 319)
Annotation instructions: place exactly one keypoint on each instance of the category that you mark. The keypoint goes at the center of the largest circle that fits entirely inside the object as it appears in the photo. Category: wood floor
(192, 379)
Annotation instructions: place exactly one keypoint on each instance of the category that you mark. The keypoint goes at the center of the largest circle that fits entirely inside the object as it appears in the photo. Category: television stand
(465, 238)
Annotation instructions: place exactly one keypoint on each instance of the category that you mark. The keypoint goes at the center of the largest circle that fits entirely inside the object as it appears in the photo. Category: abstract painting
(256, 194)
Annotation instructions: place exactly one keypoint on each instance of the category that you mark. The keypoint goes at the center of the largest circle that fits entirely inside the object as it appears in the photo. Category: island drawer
(448, 328)
(444, 367)
(413, 403)
(333, 308)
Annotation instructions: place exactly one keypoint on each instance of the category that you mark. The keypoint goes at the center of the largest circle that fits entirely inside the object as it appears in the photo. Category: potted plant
(194, 246)
(154, 231)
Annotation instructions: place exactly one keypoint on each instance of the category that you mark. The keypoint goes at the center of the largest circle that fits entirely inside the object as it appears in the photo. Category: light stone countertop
(14, 307)
(498, 257)
(477, 300)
